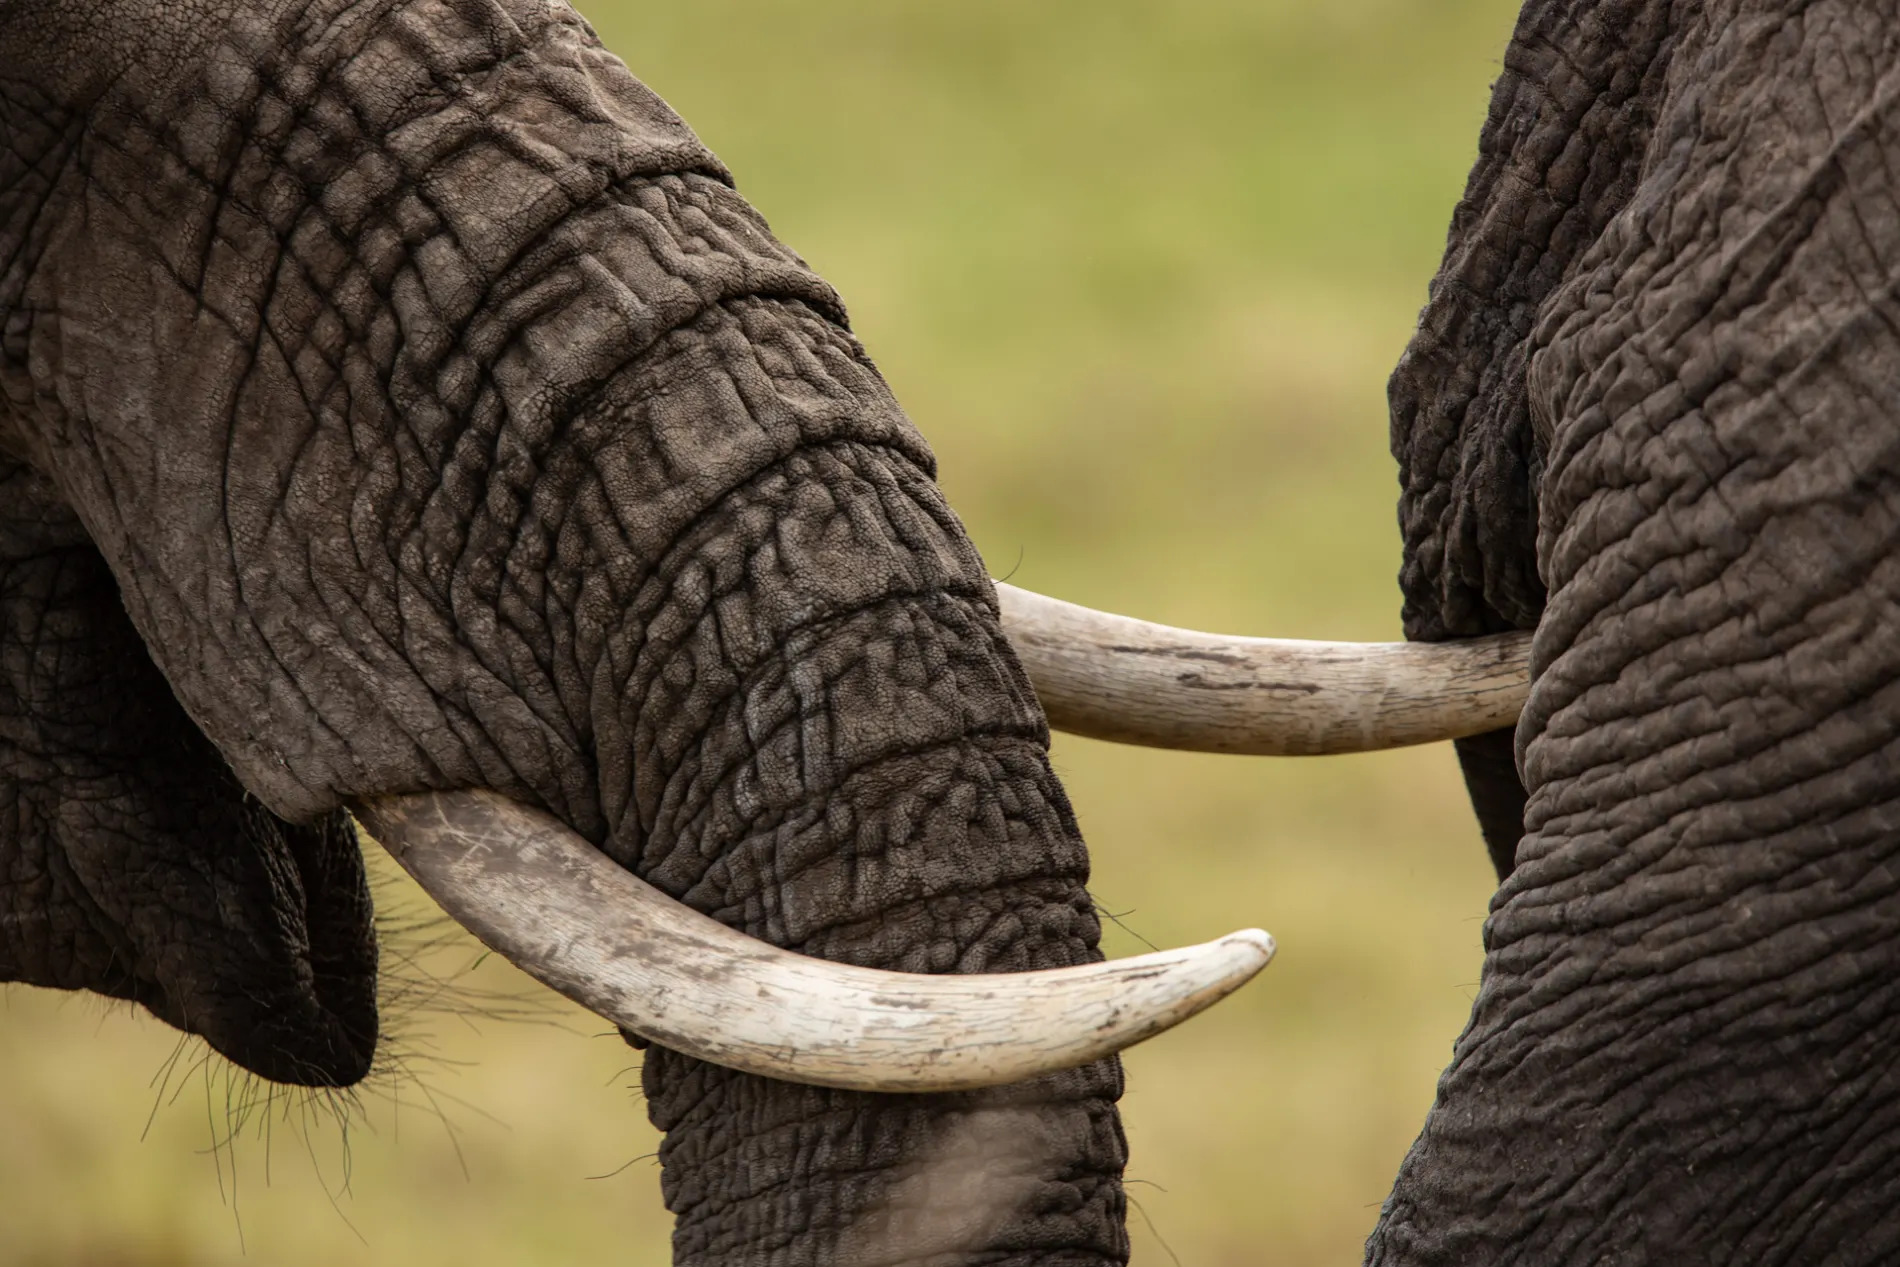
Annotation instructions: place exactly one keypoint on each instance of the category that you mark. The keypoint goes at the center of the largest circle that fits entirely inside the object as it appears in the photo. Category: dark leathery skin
(1683, 1047)
(447, 420)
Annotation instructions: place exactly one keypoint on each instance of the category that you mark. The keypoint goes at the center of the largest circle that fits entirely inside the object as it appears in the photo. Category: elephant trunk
(1669, 277)
(835, 751)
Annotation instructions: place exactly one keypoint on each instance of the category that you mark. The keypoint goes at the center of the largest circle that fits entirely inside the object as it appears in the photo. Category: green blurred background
(1139, 272)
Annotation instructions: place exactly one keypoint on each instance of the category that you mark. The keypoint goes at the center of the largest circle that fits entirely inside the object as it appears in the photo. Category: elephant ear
(132, 862)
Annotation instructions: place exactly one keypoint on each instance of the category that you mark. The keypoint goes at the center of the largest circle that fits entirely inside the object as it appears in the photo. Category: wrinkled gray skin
(1653, 412)
(394, 394)
(416, 385)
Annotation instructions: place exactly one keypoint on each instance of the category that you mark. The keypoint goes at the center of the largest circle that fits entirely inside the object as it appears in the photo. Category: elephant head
(400, 412)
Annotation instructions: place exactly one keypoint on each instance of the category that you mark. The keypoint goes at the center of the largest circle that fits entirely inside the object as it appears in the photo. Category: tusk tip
(1258, 939)
(1246, 953)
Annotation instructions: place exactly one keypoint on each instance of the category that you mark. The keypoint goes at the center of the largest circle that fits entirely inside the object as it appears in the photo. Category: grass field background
(1139, 272)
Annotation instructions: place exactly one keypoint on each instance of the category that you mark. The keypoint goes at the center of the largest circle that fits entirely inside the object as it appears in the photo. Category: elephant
(459, 492)
(402, 416)
(1649, 413)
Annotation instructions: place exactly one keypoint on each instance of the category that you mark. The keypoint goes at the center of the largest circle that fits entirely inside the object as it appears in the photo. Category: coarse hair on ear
(432, 975)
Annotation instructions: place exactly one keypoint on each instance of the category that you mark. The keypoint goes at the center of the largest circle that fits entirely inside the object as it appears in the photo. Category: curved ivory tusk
(1114, 677)
(531, 889)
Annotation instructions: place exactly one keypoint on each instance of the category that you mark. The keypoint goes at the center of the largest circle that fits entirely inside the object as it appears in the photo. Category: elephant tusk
(534, 891)
(1118, 678)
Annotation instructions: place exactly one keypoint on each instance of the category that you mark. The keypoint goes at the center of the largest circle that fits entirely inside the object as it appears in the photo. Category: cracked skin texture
(407, 400)
(399, 393)
(1683, 1046)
